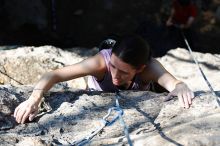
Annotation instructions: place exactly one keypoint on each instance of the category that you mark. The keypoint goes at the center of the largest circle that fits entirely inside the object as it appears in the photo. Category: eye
(112, 65)
(125, 73)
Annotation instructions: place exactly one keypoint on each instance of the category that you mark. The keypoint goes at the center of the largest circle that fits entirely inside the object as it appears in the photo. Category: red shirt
(182, 13)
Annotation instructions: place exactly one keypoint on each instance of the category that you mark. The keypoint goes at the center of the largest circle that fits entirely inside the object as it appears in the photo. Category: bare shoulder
(96, 61)
(95, 65)
(153, 70)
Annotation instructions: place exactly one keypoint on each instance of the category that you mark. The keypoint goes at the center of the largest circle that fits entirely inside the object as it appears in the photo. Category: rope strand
(200, 69)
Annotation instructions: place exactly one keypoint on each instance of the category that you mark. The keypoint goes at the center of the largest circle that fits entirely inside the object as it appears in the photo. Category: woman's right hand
(27, 109)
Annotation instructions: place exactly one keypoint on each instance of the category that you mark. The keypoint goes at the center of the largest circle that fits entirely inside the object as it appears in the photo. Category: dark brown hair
(133, 50)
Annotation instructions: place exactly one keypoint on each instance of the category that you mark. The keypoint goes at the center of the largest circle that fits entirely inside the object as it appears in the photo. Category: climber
(127, 66)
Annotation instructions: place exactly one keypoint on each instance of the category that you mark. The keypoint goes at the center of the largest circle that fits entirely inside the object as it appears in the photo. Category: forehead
(120, 64)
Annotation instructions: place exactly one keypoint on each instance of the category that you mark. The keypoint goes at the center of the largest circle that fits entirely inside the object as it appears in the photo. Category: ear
(140, 69)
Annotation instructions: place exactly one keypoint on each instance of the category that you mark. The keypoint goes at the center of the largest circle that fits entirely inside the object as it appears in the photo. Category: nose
(116, 74)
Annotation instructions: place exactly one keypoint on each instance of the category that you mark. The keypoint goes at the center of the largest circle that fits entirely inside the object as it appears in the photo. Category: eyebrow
(117, 68)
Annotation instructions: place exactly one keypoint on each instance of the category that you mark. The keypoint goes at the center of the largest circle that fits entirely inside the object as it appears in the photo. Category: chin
(121, 87)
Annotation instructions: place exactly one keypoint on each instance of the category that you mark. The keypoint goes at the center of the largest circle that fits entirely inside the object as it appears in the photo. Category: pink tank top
(106, 83)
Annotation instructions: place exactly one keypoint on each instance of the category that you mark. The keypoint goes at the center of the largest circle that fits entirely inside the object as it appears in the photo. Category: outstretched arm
(92, 66)
(176, 87)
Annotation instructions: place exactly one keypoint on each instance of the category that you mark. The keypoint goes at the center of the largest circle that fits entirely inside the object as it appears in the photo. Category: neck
(127, 85)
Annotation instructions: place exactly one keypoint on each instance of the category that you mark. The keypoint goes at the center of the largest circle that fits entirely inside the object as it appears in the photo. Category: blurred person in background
(181, 19)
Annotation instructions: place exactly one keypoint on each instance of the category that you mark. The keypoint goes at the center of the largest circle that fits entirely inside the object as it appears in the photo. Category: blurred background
(85, 23)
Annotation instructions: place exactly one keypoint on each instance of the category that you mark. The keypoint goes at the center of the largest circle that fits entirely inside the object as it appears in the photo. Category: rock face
(76, 113)
(179, 62)
(26, 65)
(69, 114)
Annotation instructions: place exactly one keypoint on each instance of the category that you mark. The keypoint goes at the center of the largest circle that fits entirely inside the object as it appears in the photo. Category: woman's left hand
(185, 95)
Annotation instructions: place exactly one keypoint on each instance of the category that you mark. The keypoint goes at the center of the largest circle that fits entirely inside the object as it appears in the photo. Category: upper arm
(157, 73)
(91, 66)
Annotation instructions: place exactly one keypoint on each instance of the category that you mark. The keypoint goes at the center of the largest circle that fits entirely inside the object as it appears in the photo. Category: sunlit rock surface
(72, 114)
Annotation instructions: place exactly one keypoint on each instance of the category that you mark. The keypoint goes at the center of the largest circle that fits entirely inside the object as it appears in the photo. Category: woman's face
(122, 73)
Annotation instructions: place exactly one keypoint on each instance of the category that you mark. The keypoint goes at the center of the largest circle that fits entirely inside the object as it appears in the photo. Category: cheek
(112, 70)
(131, 75)
(127, 77)
(113, 73)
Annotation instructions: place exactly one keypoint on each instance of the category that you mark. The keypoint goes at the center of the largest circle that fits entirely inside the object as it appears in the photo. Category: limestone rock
(76, 113)
(73, 114)
(180, 63)
(26, 65)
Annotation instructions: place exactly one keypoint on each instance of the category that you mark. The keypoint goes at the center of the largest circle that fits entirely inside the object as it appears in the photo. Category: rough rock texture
(76, 113)
(180, 63)
(69, 114)
(26, 65)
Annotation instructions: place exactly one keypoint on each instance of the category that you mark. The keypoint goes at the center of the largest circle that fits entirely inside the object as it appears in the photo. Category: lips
(116, 82)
